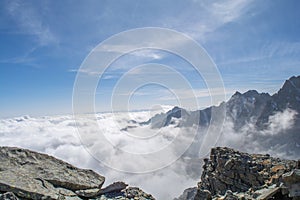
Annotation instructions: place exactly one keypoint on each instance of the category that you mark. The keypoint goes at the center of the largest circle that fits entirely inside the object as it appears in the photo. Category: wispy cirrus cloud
(26, 58)
(85, 71)
(269, 50)
(214, 15)
(30, 22)
(228, 11)
(198, 93)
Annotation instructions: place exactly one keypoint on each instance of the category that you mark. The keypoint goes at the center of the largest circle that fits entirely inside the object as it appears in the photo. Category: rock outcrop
(292, 181)
(25, 174)
(227, 174)
(230, 174)
(188, 194)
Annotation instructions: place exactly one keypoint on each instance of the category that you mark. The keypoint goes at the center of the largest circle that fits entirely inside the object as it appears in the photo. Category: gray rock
(230, 175)
(228, 169)
(266, 193)
(188, 194)
(90, 193)
(129, 193)
(230, 196)
(26, 174)
(292, 181)
(203, 195)
(115, 187)
(8, 196)
(136, 193)
(34, 175)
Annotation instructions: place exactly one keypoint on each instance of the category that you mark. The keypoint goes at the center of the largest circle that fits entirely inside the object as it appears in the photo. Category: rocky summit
(25, 174)
(230, 174)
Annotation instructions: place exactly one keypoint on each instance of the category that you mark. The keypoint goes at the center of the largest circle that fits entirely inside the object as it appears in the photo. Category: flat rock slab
(90, 193)
(39, 176)
(292, 180)
(269, 193)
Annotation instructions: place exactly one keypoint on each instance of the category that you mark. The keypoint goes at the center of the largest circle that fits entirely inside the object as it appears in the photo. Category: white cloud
(85, 71)
(197, 93)
(281, 121)
(57, 135)
(276, 139)
(154, 55)
(29, 21)
(227, 11)
(125, 62)
(269, 50)
(215, 15)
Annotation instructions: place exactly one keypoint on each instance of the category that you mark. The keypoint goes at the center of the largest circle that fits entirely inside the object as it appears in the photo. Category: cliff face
(230, 174)
(25, 174)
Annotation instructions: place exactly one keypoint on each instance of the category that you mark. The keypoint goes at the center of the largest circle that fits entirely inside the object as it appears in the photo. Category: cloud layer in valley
(58, 136)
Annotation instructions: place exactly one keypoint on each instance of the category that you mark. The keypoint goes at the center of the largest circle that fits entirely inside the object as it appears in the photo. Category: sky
(254, 44)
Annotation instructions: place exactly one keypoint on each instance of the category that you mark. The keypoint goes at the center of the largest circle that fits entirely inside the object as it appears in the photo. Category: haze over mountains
(249, 107)
(262, 117)
(250, 122)
(133, 90)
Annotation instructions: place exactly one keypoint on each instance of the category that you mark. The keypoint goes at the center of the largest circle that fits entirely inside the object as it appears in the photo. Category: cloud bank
(58, 136)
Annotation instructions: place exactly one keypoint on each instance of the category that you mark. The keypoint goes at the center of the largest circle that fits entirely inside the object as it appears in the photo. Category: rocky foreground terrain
(231, 175)
(25, 174)
(228, 175)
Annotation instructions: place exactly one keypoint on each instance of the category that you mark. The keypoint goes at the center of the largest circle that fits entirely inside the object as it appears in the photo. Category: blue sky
(255, 45)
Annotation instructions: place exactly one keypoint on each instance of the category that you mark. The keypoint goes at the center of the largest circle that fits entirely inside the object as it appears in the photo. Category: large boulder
(292, 181)
(8, 196)
(188, 194)
(34, 175)
(25, 174)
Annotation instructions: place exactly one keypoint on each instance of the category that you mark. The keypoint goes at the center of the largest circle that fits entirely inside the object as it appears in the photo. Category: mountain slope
(249, 107)
(252, 120)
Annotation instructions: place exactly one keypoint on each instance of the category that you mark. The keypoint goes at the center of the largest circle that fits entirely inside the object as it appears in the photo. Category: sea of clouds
(123, 154)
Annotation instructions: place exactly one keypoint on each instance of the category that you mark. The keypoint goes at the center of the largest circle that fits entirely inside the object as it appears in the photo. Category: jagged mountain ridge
(250, 120)
(249, 107)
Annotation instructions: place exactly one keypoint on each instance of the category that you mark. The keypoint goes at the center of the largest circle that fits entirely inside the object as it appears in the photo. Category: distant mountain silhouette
(249, 107)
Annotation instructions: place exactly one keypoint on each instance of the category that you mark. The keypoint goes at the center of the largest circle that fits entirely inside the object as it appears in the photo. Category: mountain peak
(295, 78)
(292, 83)
(176, 108)
(237, 93)
(289, 94)
(251, 93)
(242, 108)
